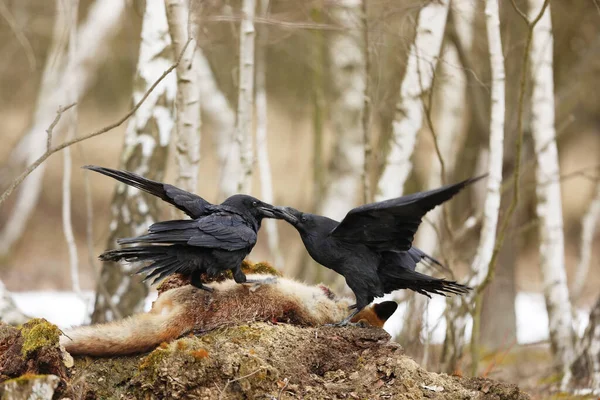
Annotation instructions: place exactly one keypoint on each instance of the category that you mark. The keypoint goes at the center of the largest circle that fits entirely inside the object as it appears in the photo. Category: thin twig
(286, 381)
(270, 21)
(107, 128)
(59, 113)
(237, 379)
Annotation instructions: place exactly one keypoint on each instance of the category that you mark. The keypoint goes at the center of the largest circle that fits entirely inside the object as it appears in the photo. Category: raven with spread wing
(372, 246)
(217, 237)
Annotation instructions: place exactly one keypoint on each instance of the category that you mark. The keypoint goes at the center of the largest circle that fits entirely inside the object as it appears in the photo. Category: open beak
(285, 214)
(268, 212)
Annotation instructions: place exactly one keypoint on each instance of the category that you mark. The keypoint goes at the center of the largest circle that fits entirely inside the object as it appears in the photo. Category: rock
(30, 387)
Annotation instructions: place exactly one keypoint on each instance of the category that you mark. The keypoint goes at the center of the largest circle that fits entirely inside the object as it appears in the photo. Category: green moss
(23, 379)
(38, 333)
(263, 268)
(152, 361)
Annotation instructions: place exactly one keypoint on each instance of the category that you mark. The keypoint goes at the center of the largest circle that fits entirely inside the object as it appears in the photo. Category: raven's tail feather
(149, 186)
(394, 278)
(164, 260)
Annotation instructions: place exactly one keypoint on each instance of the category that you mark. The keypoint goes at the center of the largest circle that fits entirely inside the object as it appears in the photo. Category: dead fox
(186, 309)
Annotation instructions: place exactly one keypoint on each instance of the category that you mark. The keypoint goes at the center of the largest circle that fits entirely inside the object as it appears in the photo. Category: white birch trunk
(348, 68)
(73, 11)
(549, 208)
(588, 228)
(147, 139)
(245, 110)
(188, 96)
(9, 313)
(408, 120)
(456, 318)
(262, 148)
(97, 31)
(584, 372)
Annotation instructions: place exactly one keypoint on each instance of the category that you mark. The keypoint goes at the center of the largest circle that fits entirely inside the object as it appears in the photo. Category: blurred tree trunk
(262, 148)
(348, 74)
(584, 372)
(498, 317)
(147, 137)
(408, 120)
(549, 207)
(96, 32)
(347, 70)
(245, 110)
(459, 307)
(588, 228)
(187, 123)
(9, 313)
(449, 124)
(218, 111)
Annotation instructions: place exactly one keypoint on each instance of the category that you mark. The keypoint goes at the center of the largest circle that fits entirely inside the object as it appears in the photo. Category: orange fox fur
(185, 309)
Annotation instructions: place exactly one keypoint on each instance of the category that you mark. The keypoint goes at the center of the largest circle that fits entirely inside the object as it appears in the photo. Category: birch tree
(262, 150)
(584, 372)
(73, 12)
(408, 119)
(447, 136)
(96, 31)
(347, 71)
(456, 315)
(245, 110)
(549, 207)
(147, 139)
(188, 96)
(588, 228)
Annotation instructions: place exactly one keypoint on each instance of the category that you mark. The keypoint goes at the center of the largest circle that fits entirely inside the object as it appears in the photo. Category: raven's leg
(197, 282)
(346, 321)
(239, 277)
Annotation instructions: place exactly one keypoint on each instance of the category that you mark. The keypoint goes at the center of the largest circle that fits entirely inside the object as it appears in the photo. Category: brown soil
(259, 361)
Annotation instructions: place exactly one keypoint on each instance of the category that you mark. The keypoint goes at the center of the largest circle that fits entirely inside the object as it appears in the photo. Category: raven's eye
(254, 203)
(304, 219)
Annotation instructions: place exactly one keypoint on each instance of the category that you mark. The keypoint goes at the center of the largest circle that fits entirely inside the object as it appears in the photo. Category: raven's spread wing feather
(392, 224)
(191, 204)
(216, 231)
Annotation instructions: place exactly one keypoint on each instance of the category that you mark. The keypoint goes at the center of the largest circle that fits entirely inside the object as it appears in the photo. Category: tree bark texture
(549, 206)
(147, 137)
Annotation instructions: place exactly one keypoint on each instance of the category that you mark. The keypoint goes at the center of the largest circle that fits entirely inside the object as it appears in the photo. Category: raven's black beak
(285, 214)
(268, 211)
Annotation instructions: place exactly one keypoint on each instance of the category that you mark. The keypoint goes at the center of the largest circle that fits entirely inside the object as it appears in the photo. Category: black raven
(372, 246)
(216, 239)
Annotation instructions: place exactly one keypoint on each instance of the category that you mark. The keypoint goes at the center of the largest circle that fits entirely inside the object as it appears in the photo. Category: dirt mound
(253, 361)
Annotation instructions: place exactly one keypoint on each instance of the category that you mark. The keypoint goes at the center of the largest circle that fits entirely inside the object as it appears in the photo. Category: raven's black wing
(191, 204)
(216, 231)
(392, 224)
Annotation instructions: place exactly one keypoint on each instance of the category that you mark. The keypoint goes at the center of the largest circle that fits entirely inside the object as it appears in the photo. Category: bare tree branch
(98, 132)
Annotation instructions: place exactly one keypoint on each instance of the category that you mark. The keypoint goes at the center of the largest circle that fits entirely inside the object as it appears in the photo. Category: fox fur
(187, 309)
